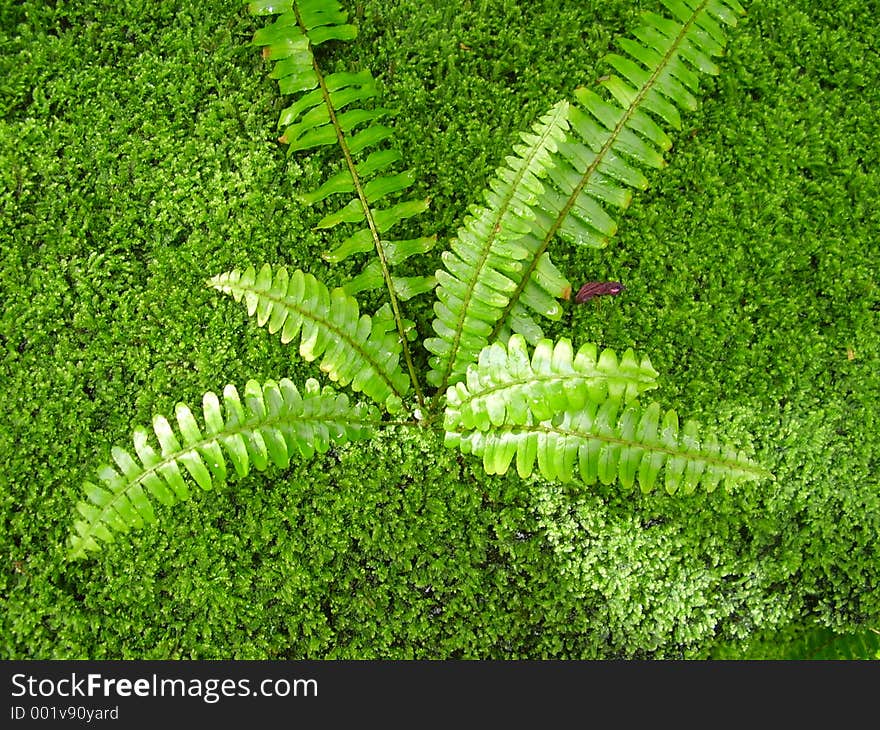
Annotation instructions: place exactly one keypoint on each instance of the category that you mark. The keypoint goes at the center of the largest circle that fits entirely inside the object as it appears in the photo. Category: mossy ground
(137, 158)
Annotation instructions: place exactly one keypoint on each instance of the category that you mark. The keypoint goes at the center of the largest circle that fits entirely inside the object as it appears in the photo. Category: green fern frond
(600, 443)
(498, 274)
(329, 110)
(507, 387)
(354, 349)
(489, 253)
(612, 140)
(274, 423)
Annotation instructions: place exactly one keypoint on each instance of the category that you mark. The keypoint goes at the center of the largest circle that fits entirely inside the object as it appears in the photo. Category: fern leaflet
(273, 423)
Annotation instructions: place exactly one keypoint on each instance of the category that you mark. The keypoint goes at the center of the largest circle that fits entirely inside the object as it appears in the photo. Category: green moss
(137, 157)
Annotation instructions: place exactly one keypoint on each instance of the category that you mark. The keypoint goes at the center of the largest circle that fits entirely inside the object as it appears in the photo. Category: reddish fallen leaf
(598, 289)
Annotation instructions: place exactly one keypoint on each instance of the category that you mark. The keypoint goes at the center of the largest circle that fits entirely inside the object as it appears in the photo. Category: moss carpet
(138, 158)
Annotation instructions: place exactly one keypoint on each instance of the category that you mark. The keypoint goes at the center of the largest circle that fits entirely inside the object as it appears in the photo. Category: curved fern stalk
(489, 255)
(507, 387)
(599, 443)
(328, 110)
(274, 423)
(354, 349)
(611, 140)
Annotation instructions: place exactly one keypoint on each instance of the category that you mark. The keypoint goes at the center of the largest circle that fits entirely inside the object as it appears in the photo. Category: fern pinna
(506, 394)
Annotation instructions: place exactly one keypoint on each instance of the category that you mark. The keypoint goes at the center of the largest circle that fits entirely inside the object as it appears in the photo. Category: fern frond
(489, 254)
(354, 349)
(593, 166)
(330, 110)
(274, 423)
(601, 443)
(507, 387)
(613, 139)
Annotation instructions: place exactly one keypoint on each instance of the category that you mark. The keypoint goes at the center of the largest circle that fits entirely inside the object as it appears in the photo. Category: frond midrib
(600, 156)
